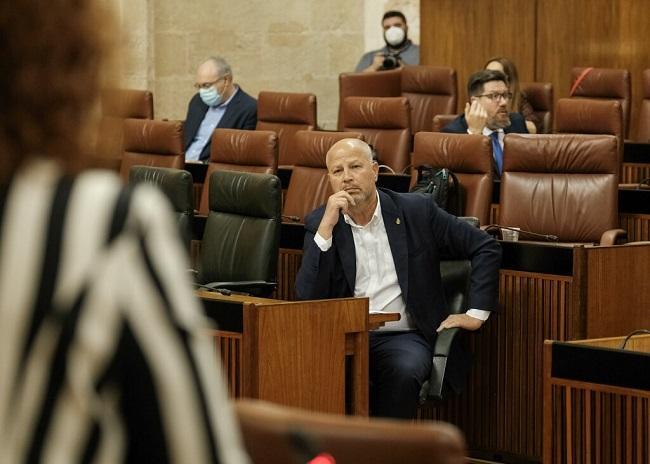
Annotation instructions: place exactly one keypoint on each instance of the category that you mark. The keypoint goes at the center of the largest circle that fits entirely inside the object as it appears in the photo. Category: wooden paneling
(464, 34)
(288, 264)
(545, 38)
(637, 226)
(599, 33)
(633, 173)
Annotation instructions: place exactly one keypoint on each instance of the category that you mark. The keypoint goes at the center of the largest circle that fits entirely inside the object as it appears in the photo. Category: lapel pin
(397, 221)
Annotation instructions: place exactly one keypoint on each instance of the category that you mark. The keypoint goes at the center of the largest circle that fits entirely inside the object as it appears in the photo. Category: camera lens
(390, 62)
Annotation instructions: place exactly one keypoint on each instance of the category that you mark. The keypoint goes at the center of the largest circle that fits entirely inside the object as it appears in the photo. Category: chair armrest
(613, 237)
(433, 387)
(249, 287)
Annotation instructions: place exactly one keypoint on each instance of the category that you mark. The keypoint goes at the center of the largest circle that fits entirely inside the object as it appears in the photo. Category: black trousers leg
(400, 362)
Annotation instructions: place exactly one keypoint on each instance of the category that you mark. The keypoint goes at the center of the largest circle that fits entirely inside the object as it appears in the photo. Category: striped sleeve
(118, 369)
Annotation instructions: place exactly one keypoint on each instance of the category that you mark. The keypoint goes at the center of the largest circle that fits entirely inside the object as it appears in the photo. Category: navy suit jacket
(420, 234)
(517, 125)
(241, 113)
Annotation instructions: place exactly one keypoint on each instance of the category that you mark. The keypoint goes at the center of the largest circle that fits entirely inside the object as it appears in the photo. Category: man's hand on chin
(460, 320)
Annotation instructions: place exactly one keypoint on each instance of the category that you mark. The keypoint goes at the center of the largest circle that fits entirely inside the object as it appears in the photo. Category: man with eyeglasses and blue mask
(399, 49)
(487, 113)
(219, 103)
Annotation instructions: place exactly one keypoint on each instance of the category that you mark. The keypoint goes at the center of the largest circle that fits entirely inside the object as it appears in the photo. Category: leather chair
(442, 120)
(116, 106)
(430, 90)
(540, 97)
(469, 157)
(643, 129)
(177, 186)
(274, 434)
(384, 123)
(152, 143)
(563, 185)
(239, 249)
(609, 84)
(309, 186)
(374, 84)
(589, 116)
(285, 114)
(240, 150)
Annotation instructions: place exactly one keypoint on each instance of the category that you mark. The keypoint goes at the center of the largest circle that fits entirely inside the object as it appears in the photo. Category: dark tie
(498, 151)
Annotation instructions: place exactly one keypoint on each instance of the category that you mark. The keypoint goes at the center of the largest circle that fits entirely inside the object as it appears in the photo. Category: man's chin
(500, 122)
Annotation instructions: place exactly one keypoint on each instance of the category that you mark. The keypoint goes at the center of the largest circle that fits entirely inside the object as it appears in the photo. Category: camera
(391, 61)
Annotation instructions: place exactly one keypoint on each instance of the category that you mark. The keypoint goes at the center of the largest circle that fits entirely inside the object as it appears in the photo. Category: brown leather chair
(643, 129)
(603, 83)
(116, 106)
(430, 90)
(441, 120)
(374, 84)
(384, 123)
(152, 143)
(286, 113)
(467, 156)
(240, 150)
(540, 97)
(309, 186)
(278, 434)
(561, 184)
(589, 116)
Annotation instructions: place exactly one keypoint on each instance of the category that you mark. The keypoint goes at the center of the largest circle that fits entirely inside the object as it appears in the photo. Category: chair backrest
(373, 84)
(469, 157)
(127, 103)
(117, 105)
(309, 186)
(610, 84)
(152, 143)
(177, 185)
(285, 114)
(348, 439)
(242, 231)
(588, 116)
(430, 90)
(643, 128)
(240, 150)
(441, 120)
(560, 184)
(384, 123)
(540, 97)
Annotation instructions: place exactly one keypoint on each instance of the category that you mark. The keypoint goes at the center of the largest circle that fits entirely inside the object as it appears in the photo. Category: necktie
(498, 151)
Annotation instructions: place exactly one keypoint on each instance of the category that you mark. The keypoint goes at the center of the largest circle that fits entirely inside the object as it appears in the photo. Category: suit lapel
(342, 235)
(396, 232)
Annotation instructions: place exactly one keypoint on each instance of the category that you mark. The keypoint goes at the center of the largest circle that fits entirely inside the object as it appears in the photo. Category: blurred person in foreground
(101, 353)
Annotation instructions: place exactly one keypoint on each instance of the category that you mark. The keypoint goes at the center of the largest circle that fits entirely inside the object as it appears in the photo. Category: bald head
(345, 146)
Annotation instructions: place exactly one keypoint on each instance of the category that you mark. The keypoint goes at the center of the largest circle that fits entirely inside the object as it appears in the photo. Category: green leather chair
(176, 184)
(241, 239)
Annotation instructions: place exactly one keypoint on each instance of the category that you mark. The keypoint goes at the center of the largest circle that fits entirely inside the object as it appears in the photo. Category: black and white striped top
(102, 358)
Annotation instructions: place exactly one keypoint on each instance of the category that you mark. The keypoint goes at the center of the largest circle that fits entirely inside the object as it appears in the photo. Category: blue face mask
(210, 96)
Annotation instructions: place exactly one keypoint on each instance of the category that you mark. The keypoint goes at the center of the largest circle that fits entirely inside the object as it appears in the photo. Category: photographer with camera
(399, 49)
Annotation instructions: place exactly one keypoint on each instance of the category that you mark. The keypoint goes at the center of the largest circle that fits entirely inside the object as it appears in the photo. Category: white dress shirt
(376, 276)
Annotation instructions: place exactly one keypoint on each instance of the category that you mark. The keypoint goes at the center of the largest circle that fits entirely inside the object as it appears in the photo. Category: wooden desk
(546, 291)
(294, 353)
(636, 162)
(634, 211)
(597, 401)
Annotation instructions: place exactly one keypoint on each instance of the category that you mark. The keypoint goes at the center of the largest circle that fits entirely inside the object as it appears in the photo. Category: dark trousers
(400, 362)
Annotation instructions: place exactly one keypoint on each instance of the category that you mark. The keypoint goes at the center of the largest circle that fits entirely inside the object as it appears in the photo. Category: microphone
(496, 228)
(636, 332)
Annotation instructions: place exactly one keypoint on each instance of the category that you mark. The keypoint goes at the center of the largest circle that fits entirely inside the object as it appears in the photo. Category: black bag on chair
(442, 185)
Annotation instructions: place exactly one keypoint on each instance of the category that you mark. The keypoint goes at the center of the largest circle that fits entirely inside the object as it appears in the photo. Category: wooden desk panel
(586, 420)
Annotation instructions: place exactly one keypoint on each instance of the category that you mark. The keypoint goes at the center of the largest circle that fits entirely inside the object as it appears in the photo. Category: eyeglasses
(207, 85)
(496, 96)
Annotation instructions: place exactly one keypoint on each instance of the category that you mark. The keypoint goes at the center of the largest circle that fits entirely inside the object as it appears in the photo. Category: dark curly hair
(52, 55)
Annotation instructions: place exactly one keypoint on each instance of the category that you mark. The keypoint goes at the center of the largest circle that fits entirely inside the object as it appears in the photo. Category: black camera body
(391, 61)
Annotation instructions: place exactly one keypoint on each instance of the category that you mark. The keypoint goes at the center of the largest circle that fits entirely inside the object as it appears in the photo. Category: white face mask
(210, 96)
(394, 35)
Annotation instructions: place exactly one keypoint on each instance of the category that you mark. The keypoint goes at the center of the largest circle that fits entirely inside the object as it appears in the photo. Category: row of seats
(550, 162)
(412, 99)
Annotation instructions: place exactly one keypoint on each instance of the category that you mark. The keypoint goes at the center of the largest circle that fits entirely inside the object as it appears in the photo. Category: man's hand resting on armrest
(460, 320)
